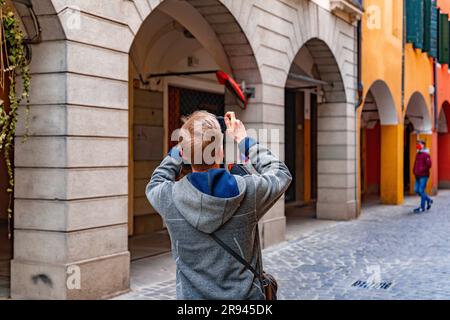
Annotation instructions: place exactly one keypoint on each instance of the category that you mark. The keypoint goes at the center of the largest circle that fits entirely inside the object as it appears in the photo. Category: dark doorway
(314, 129)
(290, 116)
(301, 146)
(183, 102)
(407, 158)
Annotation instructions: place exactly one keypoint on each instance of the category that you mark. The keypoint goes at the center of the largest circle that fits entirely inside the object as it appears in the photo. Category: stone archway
(72, 178)
(72, 185)
(328, 131)
(175, 42)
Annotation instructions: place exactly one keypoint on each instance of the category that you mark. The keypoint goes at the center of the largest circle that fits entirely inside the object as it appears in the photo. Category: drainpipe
(436, 115)
(359, 62)
(403, 56)
(358, 103)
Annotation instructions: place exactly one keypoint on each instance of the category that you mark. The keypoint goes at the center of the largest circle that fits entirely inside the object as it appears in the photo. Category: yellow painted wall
(418, 75)
(392, 138)
(419, 78)
(382, 30)
(382, 60)
(382, 46)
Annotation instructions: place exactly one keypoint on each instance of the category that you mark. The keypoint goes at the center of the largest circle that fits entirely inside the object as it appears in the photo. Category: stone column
(71, 193)
(336, 161)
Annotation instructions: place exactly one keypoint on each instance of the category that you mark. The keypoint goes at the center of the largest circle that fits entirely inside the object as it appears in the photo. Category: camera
(233, 168)
(223, 126)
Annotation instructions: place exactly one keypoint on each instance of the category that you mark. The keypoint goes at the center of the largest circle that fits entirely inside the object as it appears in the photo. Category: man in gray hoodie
(212, 200)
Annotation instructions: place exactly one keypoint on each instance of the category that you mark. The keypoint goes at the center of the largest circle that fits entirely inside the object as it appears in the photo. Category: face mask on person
(419, 147)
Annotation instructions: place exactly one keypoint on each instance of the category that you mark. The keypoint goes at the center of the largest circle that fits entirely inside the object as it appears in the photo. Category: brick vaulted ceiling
(230, 34)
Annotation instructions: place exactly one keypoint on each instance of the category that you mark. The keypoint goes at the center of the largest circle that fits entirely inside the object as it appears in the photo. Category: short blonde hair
(201, 132)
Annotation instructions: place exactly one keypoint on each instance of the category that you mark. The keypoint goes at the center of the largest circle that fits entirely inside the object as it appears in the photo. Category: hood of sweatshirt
(207, 200)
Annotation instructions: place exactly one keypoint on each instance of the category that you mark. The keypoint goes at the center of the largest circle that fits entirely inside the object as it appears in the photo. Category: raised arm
(273, 176)
(273, 179)
(159, 188)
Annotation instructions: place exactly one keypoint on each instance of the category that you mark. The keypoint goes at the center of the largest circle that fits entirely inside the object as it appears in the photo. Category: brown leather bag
(270, 285)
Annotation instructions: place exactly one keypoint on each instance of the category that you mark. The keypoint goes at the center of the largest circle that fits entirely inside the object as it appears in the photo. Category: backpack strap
(235, 255)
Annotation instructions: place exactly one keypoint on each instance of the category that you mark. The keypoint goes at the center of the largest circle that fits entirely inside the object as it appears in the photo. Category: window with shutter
(415, 22)
(444, 39)
(431, 28)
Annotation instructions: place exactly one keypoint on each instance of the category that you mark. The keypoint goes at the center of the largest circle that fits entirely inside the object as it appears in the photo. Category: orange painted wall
(418, 75)
(444, 5)
(382, 61)
(382, 46)
(443, 79)
(442, 167)
(419, 68)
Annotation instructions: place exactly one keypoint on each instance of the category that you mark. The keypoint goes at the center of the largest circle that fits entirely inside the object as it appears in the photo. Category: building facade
(344, 89)
(405, 77)
(112, 79)
(442, 136)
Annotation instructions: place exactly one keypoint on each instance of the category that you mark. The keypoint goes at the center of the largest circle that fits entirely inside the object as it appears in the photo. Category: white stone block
(97, 31)
(65, 247)
(336, 181)
(72, 152)
(95, 61)
(70, 215)
(99, 92)
(68, 184)
(102, 277)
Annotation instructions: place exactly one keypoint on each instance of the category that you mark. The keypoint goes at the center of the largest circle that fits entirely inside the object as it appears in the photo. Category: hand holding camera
(235, 127)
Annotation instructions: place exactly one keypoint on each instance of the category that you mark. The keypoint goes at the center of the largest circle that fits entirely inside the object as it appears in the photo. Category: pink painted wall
(444, 5)
(444, 151)
(442, 161)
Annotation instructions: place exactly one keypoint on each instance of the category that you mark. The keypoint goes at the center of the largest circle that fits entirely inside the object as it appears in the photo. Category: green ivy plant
(15, 66)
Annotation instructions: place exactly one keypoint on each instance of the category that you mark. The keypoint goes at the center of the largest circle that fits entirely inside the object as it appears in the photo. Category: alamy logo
(373, 17)
(73, 21)
(374, 274)
(73, 277)
(374, 280)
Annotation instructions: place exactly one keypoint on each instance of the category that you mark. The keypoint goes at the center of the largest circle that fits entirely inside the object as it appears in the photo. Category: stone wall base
(101, 277)
(337, 211)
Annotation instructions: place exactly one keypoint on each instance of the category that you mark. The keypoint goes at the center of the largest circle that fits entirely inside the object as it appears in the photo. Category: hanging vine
(14, 64)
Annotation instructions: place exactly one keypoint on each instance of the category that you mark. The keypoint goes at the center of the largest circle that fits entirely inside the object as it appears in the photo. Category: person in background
(422, 166)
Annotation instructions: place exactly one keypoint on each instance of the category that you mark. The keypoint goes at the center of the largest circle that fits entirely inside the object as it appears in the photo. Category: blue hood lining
(215, 182)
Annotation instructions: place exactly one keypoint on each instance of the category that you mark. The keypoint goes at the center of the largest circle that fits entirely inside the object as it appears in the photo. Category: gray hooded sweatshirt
(227, 205)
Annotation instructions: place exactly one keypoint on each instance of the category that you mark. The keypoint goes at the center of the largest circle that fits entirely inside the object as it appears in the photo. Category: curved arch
(444, 118)
(384, 102)
(215, 29)
(51, 28)
(320, 63)
(418, 114)
(334, 35)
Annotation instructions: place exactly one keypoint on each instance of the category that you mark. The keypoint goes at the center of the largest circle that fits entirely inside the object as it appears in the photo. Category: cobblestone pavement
(388, 246)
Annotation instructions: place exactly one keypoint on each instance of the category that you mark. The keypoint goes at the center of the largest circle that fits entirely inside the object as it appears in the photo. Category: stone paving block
(348, 251)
